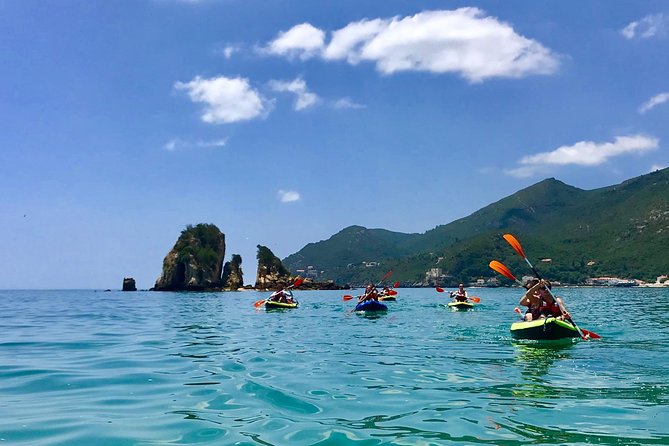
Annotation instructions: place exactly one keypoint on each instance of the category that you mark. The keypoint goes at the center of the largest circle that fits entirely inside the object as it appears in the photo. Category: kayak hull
(271, 305)
(461, 306)
(387, 298)
(549, 329)
(371, 306)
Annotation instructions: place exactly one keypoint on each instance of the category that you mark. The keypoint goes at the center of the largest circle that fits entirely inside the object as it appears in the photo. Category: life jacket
(460, 296)
(550, 310)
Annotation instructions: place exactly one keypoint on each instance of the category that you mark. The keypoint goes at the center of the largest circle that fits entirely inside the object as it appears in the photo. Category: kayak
(370, 306)
(548, 329)
(384, 298)
(462, 306)
(271, 305)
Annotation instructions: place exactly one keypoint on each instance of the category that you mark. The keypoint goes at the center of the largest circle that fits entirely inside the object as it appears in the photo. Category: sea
(88, 367)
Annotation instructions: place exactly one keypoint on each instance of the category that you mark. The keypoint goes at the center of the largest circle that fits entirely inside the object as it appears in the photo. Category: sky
(284, 122)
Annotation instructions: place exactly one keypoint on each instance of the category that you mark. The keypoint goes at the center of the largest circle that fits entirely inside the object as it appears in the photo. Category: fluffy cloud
(650, 26)
(226, 99)
(176, 144)
(655, 167)
(584, 153)
(302, 40)
(287, 196)
(654, 102)
(304, 98)
(462, 41)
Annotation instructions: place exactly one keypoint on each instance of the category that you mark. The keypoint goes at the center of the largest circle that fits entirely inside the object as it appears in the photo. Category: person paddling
(460, 295)
(282, 295)
(371, 293)
(539, 302)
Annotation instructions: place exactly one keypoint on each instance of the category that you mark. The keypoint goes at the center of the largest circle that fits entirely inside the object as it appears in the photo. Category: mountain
(620, 230)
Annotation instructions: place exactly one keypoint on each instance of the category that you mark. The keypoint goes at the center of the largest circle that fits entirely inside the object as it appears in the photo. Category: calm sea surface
(143, 368)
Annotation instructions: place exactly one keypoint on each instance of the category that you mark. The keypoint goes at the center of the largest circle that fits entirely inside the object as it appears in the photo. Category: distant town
(437, 277)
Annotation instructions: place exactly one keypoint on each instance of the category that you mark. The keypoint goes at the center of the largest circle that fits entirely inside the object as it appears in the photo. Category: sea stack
(129, 284)
(196, 261)
(271, 272)
(233, 278)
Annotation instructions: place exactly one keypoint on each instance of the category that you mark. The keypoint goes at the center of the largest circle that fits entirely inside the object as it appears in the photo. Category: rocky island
(195, 263)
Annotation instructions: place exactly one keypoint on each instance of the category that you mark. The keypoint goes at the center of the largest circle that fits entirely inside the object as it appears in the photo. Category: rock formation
(271, 272)
(195, 263)
(232, 274)
(129, 284)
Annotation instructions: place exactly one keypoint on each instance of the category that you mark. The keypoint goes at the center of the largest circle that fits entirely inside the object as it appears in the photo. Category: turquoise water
(112, 368)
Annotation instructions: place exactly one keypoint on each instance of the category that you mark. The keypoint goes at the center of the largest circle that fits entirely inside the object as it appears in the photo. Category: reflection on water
(537, 358)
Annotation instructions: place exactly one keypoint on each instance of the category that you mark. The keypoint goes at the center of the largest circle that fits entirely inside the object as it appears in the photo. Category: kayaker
(460, 295)
(549, 305)
(371, 293)
(532, 300)
(385, 291)
(539, 301)
(282, 296)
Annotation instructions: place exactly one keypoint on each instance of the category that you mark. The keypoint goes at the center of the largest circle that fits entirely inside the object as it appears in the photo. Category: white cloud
(655, 167)
(462, 41)
(345, 103)
(650, 26)
(584, 153)
(302, 40)
(226, 99)
(304, 98)
(229, 50)
(654, 102)
(176, 144)
(287, 196)
(348, 42)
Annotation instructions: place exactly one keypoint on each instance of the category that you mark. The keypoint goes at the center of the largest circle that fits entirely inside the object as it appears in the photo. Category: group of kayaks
(547, 329)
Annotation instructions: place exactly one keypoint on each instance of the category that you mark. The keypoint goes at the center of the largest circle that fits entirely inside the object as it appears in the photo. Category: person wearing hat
(532, 300)
(540, 303)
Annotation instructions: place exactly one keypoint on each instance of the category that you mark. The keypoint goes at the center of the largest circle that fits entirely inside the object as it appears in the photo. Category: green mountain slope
(620, 230)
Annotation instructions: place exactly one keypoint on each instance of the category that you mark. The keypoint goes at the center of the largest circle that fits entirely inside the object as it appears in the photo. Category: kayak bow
(548, 329)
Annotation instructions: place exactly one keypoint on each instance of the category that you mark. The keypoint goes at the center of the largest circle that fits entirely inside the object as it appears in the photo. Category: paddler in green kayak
(282, 295)
(540, 303)
(460, 295)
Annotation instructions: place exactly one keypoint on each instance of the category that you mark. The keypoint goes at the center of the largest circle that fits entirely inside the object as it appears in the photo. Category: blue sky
(283, 122)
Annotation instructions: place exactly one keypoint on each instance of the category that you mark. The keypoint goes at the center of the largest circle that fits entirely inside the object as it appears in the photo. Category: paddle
(349, 297)
(473, 298)
(515, 244)
(297, 283)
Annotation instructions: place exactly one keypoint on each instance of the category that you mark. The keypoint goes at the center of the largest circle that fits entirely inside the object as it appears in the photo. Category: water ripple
(81, 367)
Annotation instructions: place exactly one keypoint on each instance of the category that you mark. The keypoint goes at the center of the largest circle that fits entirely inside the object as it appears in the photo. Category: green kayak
(271, 305)
(461, 306)
(548, 329)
